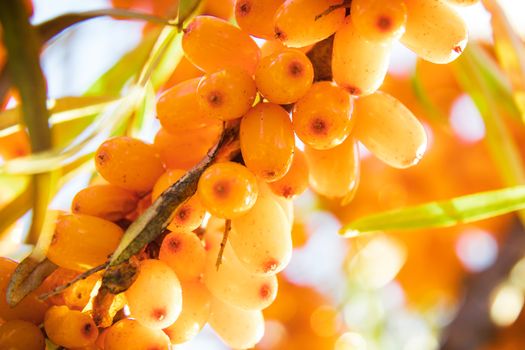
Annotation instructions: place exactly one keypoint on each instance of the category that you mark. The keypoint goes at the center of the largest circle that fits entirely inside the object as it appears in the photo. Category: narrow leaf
(510, 51)
(446, 213)
(186, 8)
(48, 29)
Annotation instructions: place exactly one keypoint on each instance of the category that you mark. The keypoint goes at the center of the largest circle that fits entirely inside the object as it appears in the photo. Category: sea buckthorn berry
(239, 329)
(301, 23)
(212, 44)
(218, 8)
(285, 76)
(30, 309)
(107, 202)
(186, 148)
(69, 328)
(334, 172)
(189, 215)
(295, 181)
(129, 334)
(196, 303)
(322, 118)
(261, 238)
(226, 94)
(358, 65)
(185, 70)
(155, 297)
(434, 31)
(227, 189)
(184, 253)
(233, 283)
(21, 335)
(178, 109)
(380, 20)
(256, 16)
(267, 141)
(128, 163)
(82, 242)
(389, 130)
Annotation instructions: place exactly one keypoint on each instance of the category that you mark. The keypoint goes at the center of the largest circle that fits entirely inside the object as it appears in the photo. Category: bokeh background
(408, 290)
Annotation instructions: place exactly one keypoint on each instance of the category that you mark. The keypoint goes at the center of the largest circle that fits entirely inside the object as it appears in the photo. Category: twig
(332, 8)
(82, 276)
(158, 216)
(227, 228)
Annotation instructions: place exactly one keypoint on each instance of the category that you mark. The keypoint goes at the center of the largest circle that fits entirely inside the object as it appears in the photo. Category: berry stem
(227, 228)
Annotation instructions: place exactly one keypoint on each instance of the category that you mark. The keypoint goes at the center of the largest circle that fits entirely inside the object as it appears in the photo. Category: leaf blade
(459, 210)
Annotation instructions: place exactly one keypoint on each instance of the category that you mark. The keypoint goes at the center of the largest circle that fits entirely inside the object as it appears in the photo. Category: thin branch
(345, 4)
(157, 217)
(82, 276)
(227, 229)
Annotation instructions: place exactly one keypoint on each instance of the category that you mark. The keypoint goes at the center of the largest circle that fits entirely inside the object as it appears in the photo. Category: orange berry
(185, 70)
(82, 242)
(129, 334)
(322, 118)
(184, 149)
(211, 44)
(296, 24)
(30, 309)
(226, 94)
(380, 20)
(267, 141)
(389, 130)
(184, 253)
(69, 328)
(358, 65)
(295, 181)
(107, 202)
(334, 172)
(196, 303)
(155, 297)
(285, 76)
(218, 8)
(21, 335)
(128, 163)
(227, 189)
(434, 31)
(256, 16)
(177, 108)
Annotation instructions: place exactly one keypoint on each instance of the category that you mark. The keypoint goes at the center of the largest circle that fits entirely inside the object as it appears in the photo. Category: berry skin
(322, 118)
(226, 94)
(285, 76)
(213, 44)
(227, 189)
(129, 163)
(267, 141)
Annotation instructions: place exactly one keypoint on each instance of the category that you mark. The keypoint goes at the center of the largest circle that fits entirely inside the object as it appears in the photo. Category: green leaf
(62, 110)
(47, 30)
(23, 48)
(446, 213)
(470, 69)
(510, 52)
(112, 82)
(186, 8)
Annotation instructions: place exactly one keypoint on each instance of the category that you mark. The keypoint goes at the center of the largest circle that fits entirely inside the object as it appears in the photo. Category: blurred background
(407, 290)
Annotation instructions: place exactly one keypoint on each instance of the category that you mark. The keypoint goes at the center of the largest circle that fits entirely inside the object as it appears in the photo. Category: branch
(472, 326)
(158, 216)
